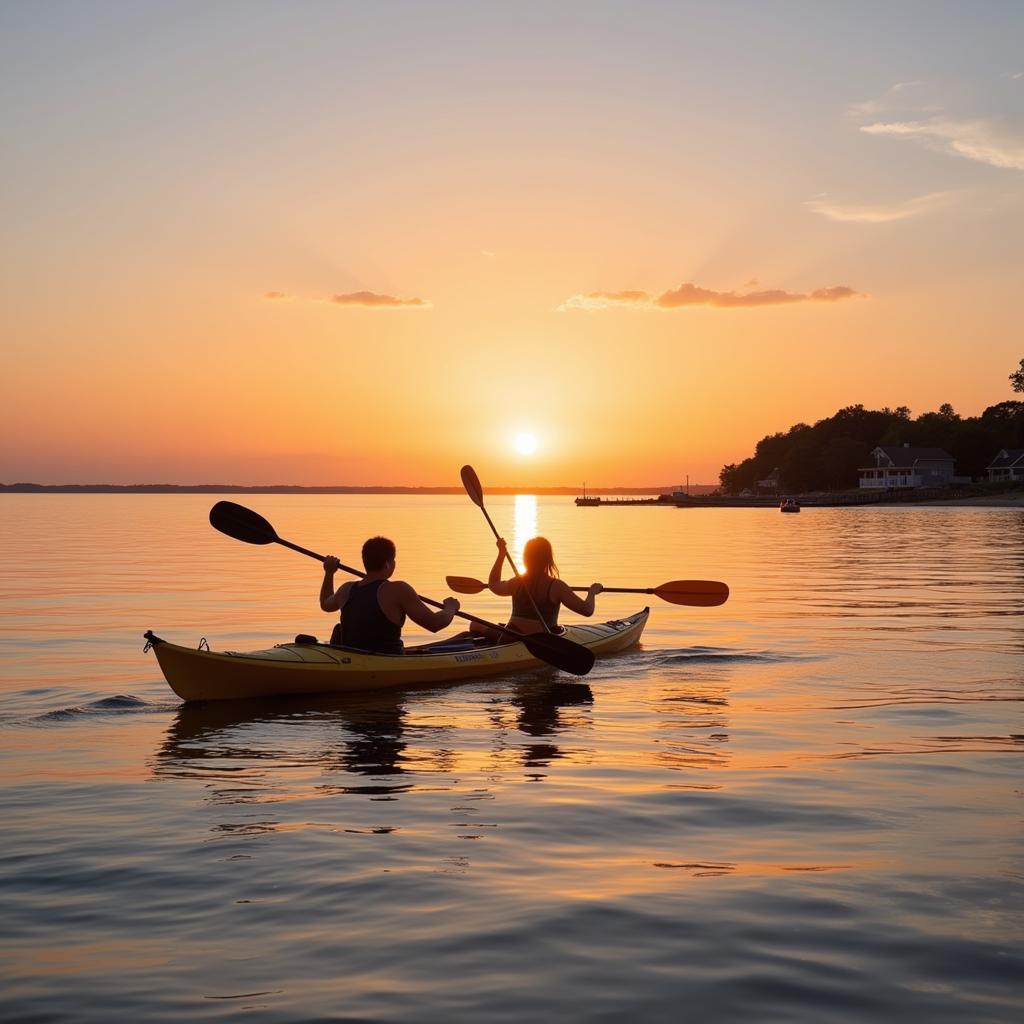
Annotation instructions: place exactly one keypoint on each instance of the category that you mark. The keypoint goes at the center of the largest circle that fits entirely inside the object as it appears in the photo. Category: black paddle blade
(561, 652)
(472, 484)
(241, 523)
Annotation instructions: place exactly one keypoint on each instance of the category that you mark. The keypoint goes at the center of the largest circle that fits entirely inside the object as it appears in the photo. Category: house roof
(900, 456)
(1007, 457)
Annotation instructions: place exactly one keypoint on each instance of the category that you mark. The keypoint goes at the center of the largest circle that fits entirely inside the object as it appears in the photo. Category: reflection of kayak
(293, 669)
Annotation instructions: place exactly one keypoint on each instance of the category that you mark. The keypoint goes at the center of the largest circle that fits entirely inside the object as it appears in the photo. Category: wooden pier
(592, 501)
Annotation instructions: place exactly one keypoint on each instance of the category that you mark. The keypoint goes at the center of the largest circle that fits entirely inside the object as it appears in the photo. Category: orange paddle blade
(699, 593)
(464, 584)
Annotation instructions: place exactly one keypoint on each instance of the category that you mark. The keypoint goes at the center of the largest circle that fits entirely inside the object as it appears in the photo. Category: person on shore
(541, 583)
(374, 608)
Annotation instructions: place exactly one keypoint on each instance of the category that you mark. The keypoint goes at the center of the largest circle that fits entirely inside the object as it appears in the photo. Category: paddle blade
(698, 593)
(241, 523)
(472, 484)
(561, 652)
(464, 585)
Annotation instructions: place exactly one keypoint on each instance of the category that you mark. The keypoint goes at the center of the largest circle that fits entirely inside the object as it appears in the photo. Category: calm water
(805, 805)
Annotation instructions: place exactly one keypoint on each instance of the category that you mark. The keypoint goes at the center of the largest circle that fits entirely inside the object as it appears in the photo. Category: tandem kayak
(315, 668)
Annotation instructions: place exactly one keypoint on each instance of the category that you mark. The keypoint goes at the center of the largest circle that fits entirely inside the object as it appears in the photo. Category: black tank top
(522, 607)
(365, 626)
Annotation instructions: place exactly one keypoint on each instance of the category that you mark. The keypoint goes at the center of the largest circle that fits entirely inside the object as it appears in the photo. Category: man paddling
(373, 609)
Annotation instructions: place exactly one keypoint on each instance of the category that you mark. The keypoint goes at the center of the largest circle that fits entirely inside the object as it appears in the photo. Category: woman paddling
(538, 593)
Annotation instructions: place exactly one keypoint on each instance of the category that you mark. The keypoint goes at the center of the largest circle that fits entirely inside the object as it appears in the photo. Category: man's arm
(408, 601)
(328, 596)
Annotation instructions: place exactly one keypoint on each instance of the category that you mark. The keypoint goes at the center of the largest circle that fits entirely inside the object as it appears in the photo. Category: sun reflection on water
(525, 512)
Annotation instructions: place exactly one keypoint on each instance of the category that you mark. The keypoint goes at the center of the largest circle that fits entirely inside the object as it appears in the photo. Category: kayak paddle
(243, 524)
(476, 494)
(698, 593)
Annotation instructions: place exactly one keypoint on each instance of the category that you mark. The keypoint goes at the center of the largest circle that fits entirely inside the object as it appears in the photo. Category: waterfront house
(897, 466)
(1007, 466)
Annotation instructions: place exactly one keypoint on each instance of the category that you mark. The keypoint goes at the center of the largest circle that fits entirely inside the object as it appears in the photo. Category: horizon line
(29, 487)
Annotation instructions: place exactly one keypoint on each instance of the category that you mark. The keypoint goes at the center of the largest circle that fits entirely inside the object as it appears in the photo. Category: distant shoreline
(29, 488)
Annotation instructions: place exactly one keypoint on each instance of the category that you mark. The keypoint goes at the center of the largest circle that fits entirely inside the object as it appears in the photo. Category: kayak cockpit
(458, 644)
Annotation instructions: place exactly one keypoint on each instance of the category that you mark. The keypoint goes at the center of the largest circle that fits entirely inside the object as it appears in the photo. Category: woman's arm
(561, 592)
(503, 588)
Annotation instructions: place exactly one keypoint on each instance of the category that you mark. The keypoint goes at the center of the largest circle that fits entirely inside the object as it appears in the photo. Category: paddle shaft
(619, 590)
(425, 600)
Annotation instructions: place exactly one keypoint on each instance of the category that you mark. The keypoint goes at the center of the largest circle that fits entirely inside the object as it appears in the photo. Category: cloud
(275, 295)
(693, 295)
(877, 213)
(373, 300)
(897, 97)
(606, 300)
(985, 141)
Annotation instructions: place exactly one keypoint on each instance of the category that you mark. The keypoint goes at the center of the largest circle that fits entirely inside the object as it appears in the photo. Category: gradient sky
(341, 243)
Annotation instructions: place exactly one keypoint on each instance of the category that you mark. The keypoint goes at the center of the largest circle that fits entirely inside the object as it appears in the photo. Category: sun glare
(525, 443)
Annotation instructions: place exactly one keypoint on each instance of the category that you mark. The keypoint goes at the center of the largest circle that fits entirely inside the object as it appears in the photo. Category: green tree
(841, 459)
(1017, 378)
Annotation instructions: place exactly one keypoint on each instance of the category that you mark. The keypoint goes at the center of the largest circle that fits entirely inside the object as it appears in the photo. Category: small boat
(789, 505)
(308, 668)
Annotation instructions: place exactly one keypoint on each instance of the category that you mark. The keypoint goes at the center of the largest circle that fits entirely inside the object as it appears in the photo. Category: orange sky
(614, 227)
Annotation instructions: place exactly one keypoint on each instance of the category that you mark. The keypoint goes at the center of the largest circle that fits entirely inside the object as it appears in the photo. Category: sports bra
(522, 607)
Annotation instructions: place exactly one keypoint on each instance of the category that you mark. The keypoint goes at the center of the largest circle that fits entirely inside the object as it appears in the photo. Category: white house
(1007, 465)
(908, 467)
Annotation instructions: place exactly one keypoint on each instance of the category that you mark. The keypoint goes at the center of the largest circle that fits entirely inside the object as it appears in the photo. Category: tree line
(827, 455)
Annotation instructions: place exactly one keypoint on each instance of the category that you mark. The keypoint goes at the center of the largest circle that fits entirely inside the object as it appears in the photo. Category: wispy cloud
(693, 295)
(276, 295)
(374, 300)
(986, 141)
(901, 96)
(878, 213)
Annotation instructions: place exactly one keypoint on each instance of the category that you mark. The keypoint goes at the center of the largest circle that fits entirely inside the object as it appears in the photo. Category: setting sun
(525, 443)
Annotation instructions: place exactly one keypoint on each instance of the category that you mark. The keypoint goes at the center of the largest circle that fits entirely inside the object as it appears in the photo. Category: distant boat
(587, 500)
(789, 505)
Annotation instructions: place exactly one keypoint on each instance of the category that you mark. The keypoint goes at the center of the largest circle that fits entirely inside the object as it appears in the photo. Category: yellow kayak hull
(309, 669)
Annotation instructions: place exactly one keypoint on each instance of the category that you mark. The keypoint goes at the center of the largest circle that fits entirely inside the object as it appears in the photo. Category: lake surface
(805, 805)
